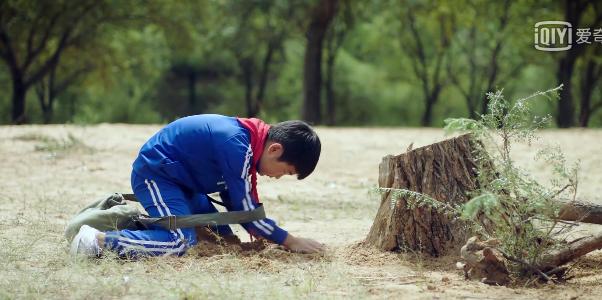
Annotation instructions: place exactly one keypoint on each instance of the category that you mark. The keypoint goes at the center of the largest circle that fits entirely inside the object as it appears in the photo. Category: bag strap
(132, 197)
(220, 218)
(188, 221)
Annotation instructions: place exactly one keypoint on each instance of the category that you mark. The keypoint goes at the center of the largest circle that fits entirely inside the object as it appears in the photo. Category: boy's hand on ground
(302, 245)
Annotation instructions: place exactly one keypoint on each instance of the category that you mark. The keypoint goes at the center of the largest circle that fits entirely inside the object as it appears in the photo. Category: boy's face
(269, 165)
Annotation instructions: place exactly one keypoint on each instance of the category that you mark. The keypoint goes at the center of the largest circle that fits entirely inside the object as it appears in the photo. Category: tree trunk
(47, 107)
(427, 116)
(263, 76)
(312, 72)
(247, 73)
(494, 60)
(42, 92)
(564, 75)
(312, 76)
(573, 11)
(19, 93)
(590, 77)
(431, 99)
(445, 171)
(52, 93)
(330, 101)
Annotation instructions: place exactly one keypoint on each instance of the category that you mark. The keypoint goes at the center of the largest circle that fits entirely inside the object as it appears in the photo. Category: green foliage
(509, 204)
(487, 203)
(150, 62)
(415, 200)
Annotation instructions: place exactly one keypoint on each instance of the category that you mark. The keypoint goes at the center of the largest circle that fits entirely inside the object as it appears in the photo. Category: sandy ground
(43, 184)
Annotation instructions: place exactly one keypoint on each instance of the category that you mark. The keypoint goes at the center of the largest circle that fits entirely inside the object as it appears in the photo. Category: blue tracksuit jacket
(200, 154)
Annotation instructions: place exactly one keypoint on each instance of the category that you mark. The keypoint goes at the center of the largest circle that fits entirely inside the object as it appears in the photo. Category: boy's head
(292, 147)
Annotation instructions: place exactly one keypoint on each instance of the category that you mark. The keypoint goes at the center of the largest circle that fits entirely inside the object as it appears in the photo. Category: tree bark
(312, 72)
(445, 171)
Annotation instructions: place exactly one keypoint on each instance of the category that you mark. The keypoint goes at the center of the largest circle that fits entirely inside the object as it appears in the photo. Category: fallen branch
(571, 251)
(485, 261)
(581, 212)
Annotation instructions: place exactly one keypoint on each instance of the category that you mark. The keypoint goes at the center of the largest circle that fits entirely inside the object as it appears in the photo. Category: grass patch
(56, 145)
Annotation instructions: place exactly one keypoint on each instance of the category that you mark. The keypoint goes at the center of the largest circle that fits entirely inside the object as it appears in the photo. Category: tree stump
(445, 171)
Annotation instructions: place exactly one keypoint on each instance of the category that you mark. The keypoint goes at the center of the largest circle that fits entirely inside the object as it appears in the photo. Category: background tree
(427, 43)
(483, 54)
(35, 35)
(378, 63)
(75, 64)
(193, 65)
(590, 65)
(574, 13)
(321, 17)
(590, 84)
(335, 36)
(260, 34)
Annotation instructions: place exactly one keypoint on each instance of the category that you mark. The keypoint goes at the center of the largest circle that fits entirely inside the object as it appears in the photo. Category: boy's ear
(275, 148)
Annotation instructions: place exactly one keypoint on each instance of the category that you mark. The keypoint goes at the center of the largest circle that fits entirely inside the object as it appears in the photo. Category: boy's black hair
(301, 145)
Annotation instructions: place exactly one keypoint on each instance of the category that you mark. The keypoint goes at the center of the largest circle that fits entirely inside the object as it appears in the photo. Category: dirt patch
(209, 248)
(211, 244)
(587, 268)
(361, 255)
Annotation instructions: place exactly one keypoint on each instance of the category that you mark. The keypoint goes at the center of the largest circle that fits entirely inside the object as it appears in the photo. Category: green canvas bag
(113, 213)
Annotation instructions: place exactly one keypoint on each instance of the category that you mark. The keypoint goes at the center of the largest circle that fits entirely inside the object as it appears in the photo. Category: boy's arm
(234, 159)
(295, 244)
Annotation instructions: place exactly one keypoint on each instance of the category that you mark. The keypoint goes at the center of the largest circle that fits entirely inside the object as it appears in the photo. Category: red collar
(258, 130)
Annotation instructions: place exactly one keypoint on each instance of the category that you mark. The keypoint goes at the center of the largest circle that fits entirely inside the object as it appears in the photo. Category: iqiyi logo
(553, 36)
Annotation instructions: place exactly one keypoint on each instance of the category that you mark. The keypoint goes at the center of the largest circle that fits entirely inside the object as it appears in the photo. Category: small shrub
(510, 205)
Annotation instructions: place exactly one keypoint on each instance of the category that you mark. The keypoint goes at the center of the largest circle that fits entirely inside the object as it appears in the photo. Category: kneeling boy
(198, 155)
